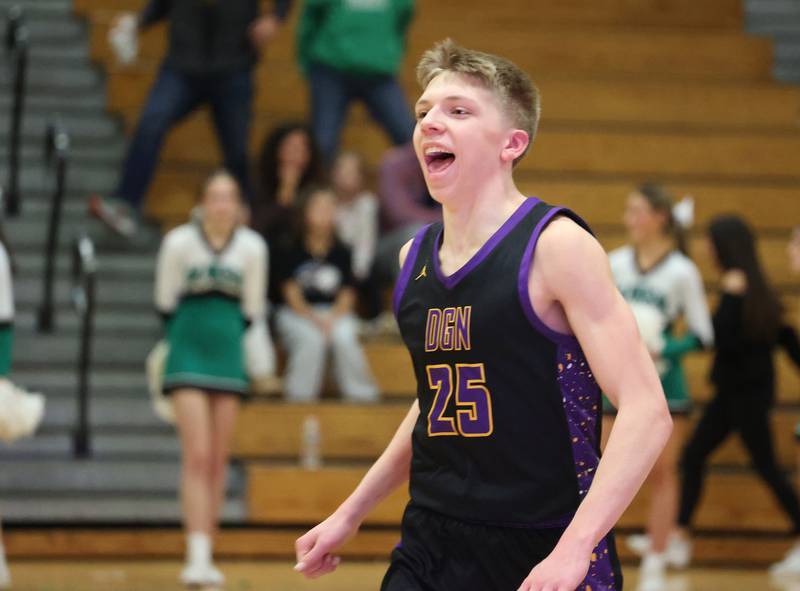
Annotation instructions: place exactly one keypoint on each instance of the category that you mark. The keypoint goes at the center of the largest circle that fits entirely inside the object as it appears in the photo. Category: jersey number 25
(473, 402)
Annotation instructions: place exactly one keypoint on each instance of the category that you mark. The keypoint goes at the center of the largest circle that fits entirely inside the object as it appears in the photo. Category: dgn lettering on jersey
(448, 329)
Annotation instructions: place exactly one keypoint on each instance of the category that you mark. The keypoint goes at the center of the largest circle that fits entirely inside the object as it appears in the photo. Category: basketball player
(512, 320)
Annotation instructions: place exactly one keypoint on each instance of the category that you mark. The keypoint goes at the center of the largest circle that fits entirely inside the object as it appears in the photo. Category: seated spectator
(357, 224)
(353, 51)
(287, 166)
(213, 49)
(318, 311)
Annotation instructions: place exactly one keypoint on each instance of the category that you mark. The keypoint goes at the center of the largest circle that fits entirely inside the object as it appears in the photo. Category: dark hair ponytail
(735, 247)
(661, 201)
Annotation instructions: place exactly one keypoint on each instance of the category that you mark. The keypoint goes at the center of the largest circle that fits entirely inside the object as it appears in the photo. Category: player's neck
(470, 220)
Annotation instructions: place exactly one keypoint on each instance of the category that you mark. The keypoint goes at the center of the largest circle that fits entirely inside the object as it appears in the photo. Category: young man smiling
(513, 323)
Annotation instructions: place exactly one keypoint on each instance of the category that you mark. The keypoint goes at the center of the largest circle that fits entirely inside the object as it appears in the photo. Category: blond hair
(518, 95)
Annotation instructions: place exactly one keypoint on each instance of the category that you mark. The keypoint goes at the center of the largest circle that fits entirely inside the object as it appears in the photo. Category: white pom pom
(651, 325)
(683, 212)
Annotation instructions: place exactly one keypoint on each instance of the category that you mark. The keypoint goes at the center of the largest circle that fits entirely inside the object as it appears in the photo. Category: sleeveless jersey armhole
(408, 267)
(525, 269)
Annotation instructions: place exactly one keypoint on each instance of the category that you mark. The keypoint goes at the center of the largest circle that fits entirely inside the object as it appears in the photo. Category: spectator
(210, 287)
(288, 165)
(748, 326)
(213, 48)
(357, 224)
(406, 206)
(662, 285)
(20, 411)
(352, 51)
(318, 313)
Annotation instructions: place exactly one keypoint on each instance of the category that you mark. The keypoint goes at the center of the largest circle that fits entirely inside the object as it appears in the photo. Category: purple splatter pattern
(581, 399)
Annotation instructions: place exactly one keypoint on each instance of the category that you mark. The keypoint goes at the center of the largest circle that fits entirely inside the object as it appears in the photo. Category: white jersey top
(6, 288)
(188, 265)
(673, 287)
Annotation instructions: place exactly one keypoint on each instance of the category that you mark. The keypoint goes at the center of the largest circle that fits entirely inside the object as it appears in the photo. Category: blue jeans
(332, 91)
(174, 96)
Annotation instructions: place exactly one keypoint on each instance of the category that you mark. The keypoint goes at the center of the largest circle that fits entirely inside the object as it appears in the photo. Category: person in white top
(20, 411)
(356, 212)
(662, 286)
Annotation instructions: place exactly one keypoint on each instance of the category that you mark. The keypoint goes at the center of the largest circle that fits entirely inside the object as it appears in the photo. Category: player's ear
(515, 146)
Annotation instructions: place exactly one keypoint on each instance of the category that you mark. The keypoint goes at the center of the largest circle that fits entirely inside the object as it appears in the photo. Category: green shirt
(361, 37)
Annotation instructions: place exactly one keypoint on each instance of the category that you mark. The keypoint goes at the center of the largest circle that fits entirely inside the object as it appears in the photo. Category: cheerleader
(663, 285)
(210, 287)
(20, 411)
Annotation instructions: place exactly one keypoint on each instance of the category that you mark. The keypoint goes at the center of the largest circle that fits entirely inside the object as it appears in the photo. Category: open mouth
(438, 160)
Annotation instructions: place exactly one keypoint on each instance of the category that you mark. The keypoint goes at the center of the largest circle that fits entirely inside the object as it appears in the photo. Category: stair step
(95, 125)
(105, 322)
(61, 382)
(122, 265)
(90, 477)
(104, 446)
(51, 351)
(104, 412)
(30, 231)
(123, 509)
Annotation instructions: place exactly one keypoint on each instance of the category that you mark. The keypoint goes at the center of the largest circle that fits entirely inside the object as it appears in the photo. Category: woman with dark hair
(748, 327)
(662, 285)
(288, 164)
(210, 284)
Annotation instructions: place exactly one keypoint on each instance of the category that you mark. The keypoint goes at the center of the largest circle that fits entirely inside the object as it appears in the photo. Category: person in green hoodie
(352, 50)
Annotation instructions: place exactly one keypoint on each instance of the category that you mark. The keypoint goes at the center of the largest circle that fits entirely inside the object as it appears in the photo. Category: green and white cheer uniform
(209, 299)
(671, 289)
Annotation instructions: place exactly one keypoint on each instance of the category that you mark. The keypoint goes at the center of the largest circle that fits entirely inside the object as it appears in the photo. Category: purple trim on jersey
(522, 283)
(408, 268)
(580, 396)
(485, 250)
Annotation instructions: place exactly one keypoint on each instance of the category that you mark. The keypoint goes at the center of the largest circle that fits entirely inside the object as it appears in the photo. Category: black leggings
(749, 416)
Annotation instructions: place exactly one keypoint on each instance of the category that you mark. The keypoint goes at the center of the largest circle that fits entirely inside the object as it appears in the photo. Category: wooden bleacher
(670, 90)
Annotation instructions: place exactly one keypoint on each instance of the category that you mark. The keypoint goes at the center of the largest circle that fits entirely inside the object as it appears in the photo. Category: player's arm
(315, 549)
(574, 271)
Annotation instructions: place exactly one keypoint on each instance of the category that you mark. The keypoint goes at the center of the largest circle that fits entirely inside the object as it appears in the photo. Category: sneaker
(651, 573)
(639, 544)
(214, 576)
(194, 575)
(789, 566)
(202, 575)
(5, 576)
(113, 216)
(678, 553)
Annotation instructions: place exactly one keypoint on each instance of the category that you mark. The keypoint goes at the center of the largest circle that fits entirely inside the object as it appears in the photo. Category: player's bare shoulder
(404, 252)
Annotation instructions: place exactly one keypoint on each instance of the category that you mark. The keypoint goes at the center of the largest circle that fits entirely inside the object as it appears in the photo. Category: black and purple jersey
(509, 425)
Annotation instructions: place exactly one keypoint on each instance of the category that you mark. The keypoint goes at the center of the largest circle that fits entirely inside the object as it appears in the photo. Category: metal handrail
(16, 43)
(84, 273)
(56, 153)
